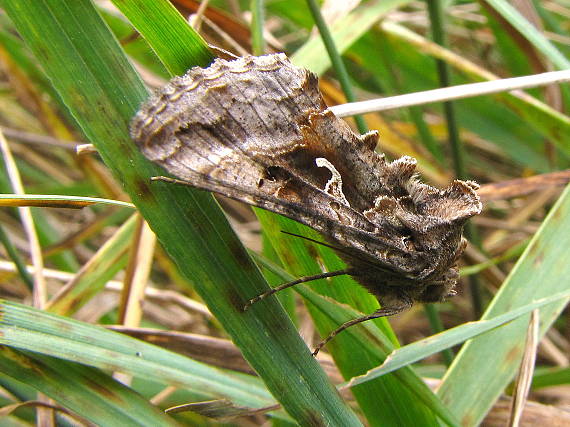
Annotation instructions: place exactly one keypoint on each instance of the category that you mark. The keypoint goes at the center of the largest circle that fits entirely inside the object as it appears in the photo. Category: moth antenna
(383, 312)
(295, 282)
(341, 250)
(318, 242)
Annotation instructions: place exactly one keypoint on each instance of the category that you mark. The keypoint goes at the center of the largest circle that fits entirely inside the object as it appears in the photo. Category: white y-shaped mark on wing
(334, 185)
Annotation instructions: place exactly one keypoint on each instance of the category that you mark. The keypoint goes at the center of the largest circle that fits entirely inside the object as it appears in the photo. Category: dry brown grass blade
(24, 202)
(524, 378)
(230, 25)
(522, 186)
(214, 351)
(39, 293)
(494, 242)
(137, 273)
(90, 229)
(36, 139)
(155, 295)
(493, 274)
(557, 349)
(44, 416)
(222, 410)
(75, 293)
(534, 414)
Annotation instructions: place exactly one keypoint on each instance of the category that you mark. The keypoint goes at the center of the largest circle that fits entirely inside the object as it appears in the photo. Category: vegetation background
(73, 72)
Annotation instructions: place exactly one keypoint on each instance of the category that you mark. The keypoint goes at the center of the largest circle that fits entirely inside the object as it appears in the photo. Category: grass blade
(26, 328)
(57, 201)
(528, 30)
(472, 384)
(82, 389)
(419, 350)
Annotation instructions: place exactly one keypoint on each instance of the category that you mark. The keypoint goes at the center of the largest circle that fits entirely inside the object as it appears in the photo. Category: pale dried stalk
(136, 279)
(44, 416)
(39, 292)
(450, 93)
(195, 20)
(37, 139)
(524, 379)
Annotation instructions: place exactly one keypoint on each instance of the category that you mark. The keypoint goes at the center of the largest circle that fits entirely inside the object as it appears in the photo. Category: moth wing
(250, 129)
(257, 129)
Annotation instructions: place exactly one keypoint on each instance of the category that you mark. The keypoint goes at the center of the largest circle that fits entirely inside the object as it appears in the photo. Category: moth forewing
(257, 129)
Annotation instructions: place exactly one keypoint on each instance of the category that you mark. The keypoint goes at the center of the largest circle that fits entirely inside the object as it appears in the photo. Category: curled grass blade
(57, 201)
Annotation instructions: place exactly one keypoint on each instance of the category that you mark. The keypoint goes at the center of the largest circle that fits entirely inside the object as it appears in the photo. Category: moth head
(427, 223)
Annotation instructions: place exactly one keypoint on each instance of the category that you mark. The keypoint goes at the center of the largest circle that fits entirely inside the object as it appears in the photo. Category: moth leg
(293, 283)
(383, 312)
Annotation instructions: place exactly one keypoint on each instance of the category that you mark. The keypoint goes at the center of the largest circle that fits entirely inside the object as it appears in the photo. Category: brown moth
(257, 129)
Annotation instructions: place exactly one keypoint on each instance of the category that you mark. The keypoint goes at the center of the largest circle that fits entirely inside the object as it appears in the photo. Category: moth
(257, 129)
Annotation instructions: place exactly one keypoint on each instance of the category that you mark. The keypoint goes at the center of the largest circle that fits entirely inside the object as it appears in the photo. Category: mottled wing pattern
(252, 129)
(257, 129)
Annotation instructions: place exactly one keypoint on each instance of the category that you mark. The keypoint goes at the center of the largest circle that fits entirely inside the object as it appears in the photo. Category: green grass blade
(354, 352)
(336, 60)
(421, 349)
(27, 328)
(530, 32)
(344, 31)
(69, 39)
(169, 35)
(548, 377)
(472, 384)
(85, 390)
(371, 340)
(257, 8)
